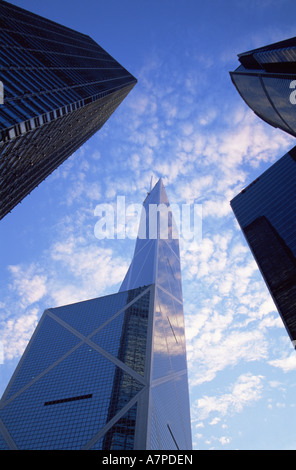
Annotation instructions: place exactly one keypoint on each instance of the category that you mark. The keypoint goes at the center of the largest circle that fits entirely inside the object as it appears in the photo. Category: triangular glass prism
(125, 336)
(88, 315)
(49, 332)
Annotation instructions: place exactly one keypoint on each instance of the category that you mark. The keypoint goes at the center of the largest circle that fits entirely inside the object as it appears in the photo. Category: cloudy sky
(184, 122)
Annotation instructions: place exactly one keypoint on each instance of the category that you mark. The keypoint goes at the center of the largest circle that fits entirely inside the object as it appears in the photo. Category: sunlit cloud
(247, 390)
(286, 364)
(29, 283)
(16, 332)
(207, 145)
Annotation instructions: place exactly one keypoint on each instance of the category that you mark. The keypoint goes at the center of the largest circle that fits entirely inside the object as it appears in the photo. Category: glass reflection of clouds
(251, 88)
(278, 90)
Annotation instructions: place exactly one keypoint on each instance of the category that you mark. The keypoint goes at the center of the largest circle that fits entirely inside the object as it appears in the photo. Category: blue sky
(184, 122)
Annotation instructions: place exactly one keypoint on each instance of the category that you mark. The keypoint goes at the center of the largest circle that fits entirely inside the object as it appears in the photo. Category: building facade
(111, 372)
(266, 81)
(265, 211)
(58, 88)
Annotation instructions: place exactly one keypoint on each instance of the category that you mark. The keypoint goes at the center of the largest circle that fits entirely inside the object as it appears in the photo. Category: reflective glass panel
(266, 213)
(250, 88)
(279, 92)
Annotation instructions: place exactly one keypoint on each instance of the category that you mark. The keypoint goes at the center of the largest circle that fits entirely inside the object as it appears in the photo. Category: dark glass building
(111, 372)
(265, 211)
(59, 88)
(266, 80)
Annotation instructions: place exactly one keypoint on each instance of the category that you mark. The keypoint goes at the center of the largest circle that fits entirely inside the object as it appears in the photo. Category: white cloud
(246, 391)
(208, 117)
(194, 188)
(16, 332)
(224, 440)
(96, 155)
(216, 207)
(90, 269)
(287, 364)
(215, 421)
(30, 283)
(75, 271)
(215, 349)
(138, 103)
(230, 315)
(230, 318)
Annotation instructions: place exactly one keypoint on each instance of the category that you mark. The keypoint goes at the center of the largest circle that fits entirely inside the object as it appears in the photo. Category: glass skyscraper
(265, 211)
(111, 372)
(266, 80)
(59, 88)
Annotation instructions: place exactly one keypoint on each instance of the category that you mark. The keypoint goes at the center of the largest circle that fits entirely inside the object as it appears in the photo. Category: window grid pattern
(157, 261)
(60, 68)
(121, 435)
(127, 334)
(3, 444)
(81, 388)
(60, 87)
(132, 361)
(29, 158)
(96, 311)
(40, 357)
(265, 211)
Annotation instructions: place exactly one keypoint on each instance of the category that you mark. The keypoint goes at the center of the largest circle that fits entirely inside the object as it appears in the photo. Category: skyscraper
(266, 81)
(265, 211)
(111, 372)
(59, 88)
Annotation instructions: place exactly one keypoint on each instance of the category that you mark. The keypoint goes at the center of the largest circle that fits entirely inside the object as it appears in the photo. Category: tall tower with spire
(111, 372)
